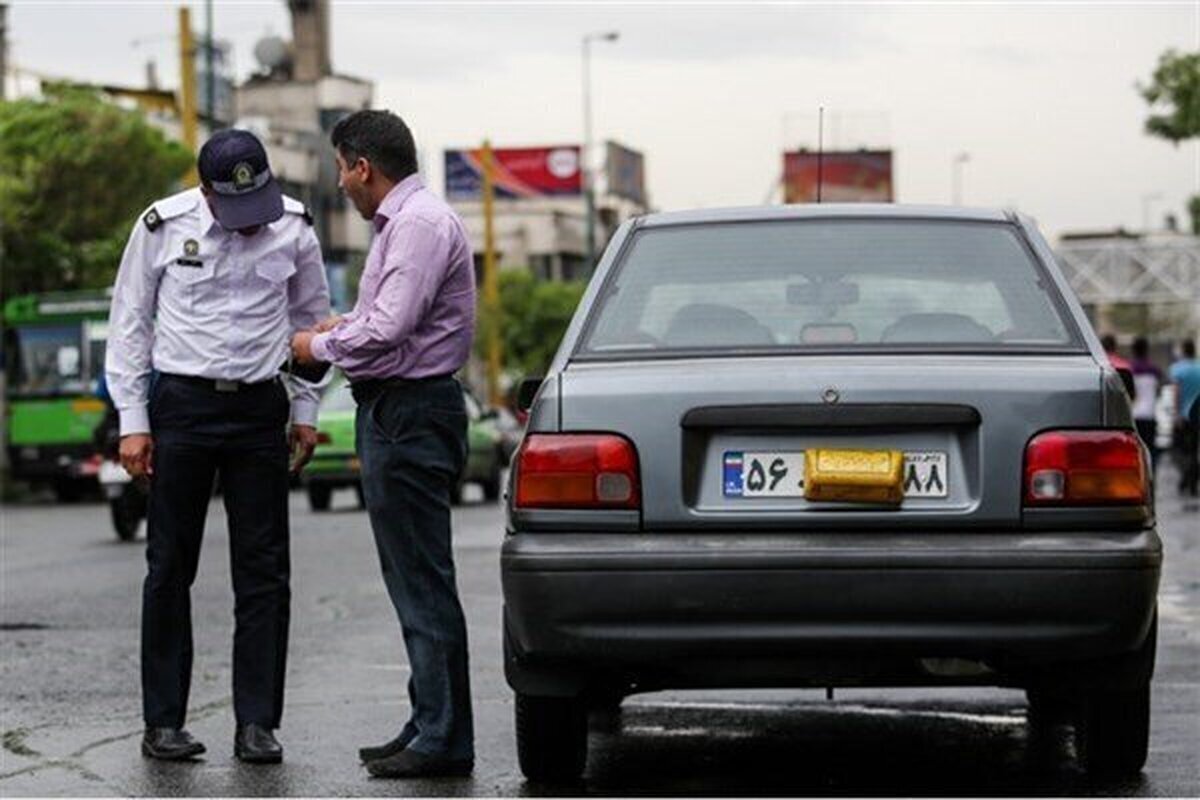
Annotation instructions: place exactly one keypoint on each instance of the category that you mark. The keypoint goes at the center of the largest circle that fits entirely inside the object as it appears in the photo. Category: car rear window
(826, 284)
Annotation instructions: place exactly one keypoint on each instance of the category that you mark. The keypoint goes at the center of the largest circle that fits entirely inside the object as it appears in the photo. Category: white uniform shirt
(194, 299)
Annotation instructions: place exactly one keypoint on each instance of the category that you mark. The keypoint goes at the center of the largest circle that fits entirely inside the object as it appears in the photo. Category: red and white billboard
(517, 172)
(860, 176)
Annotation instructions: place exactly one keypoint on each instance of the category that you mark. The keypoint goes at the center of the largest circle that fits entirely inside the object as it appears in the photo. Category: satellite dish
(272, 53)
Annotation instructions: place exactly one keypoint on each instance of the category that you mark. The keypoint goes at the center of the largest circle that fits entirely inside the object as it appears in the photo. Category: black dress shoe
(255, 744)
(170, 744)
(384, 750)
(411, 764)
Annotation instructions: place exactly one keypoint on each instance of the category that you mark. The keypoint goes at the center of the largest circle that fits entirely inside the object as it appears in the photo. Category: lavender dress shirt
(415, 314)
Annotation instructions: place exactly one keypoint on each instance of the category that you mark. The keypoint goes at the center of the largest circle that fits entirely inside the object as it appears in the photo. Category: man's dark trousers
(199, 433)
(412, 441)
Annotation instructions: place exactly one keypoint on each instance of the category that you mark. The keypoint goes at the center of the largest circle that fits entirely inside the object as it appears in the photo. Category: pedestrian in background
(1185, 374)
(1119, 363)
(213, 283)
(1147, 380)
(407, 336)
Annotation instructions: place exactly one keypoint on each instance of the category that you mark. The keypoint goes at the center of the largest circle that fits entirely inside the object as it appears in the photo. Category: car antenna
(820, 148)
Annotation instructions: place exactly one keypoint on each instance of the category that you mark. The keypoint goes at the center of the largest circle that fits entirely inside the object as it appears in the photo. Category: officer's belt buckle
(226, 386)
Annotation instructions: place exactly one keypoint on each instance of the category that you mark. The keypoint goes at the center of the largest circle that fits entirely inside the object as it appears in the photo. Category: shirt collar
(208, 223)
(394, 200)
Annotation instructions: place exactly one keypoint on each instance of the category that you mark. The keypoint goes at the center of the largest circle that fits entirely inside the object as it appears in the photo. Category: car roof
(824, 211)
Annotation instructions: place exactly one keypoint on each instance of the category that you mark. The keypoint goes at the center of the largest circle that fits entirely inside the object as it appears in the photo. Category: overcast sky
(1041, 95)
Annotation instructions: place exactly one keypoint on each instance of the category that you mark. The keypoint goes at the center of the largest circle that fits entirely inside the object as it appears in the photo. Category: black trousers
(200, 433)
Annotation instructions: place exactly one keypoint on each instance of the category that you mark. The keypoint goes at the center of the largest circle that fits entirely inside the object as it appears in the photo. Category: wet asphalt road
(71, 724)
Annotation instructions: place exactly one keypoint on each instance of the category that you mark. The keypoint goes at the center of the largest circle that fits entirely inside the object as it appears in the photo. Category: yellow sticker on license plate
(854, 476)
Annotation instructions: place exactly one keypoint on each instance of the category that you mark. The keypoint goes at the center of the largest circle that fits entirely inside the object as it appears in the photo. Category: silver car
(825, 446)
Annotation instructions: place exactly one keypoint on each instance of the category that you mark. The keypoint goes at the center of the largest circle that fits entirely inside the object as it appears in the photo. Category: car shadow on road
(829, 749)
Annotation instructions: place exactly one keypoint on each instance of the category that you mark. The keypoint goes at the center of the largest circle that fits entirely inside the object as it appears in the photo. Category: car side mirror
(527, 392)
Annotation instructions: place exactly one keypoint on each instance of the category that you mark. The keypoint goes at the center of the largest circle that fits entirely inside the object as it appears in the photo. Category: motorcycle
(127, 498)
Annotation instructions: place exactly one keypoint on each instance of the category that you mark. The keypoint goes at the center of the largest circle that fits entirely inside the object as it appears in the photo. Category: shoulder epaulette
(292, 206)
(169, 208)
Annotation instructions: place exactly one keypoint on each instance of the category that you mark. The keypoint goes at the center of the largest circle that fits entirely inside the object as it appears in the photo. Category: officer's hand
(328, 324)
(302, 438)
(137, 454)
(302, 347)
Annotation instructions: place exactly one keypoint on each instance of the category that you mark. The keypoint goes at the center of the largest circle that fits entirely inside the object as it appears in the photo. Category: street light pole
(589, 191)
(956, 170)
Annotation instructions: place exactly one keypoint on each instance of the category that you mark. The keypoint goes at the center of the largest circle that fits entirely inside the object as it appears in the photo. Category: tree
(534, 316)
(1174, 97)
(75, 172)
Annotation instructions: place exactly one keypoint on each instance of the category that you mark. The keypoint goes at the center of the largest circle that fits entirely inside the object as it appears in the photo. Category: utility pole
(187, 89)
(589, 190)
(3, 49)
(491, 280)
(210, 88)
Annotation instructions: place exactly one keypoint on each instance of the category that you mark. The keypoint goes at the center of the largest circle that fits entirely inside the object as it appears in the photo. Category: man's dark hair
(381, 138)
(1189, 348)
(1109, 343)
(1141, 347)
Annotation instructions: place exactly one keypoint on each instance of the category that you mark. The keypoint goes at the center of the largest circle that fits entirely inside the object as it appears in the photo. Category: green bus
(53, 361)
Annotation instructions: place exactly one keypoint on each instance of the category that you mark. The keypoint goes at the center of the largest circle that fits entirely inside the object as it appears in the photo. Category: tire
(491, 486)
(128, 510)
(319, 496)
(551, 738)
(68, 490)
(1048, 709)
(1113, 737)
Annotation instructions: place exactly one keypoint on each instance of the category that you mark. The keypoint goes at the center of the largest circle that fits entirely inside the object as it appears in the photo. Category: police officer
(213, 282)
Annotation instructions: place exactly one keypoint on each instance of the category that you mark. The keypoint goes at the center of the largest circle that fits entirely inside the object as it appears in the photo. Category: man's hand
(302, 347)
(302, 439)
(137, 454)
(328, 324)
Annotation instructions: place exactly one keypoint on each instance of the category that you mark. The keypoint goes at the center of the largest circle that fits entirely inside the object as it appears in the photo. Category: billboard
(517, 172)
(860, 176)
(625, 171)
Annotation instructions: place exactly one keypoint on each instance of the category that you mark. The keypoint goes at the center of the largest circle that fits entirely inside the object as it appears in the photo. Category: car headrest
(701, 324)
(936, 327)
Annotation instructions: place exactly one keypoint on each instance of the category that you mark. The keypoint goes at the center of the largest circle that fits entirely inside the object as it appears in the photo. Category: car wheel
(68, 490)
(319, 496)
(551, 737)
(1114, 735)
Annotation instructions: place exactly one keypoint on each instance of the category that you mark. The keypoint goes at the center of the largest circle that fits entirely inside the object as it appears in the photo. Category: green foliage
(1175, 89)
(533, 318)
(75, 172)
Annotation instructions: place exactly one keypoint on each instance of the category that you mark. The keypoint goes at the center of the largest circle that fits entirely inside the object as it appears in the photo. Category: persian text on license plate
(781, 474)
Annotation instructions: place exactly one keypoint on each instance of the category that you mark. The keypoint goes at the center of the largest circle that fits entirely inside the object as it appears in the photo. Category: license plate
(781, 474)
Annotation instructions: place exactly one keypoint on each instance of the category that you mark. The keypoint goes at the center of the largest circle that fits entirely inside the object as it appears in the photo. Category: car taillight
(1085, 468)
(577, 470)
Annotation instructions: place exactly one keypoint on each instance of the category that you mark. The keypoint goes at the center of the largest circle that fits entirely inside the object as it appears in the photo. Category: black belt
(219, 385)
(368, 389)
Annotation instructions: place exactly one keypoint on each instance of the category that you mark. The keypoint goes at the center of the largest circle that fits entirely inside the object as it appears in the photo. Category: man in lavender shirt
(409, 332)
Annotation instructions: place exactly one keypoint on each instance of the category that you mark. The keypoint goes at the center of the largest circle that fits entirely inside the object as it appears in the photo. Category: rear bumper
(676, 610)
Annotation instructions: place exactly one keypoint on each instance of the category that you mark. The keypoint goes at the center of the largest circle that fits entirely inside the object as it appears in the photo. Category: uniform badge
(191, 247)
(243, 176)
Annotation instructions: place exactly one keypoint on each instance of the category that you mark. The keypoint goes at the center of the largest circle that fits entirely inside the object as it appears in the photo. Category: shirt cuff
(304, 412)
(319, 345)
(134, 419)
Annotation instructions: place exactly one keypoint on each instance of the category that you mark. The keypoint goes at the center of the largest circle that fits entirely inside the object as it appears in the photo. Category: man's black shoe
(411, 764)
(384, 750)
(170, 744)
(255, 744)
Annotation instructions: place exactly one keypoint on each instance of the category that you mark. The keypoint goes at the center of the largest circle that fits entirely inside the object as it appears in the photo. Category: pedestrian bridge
(1127, 270)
